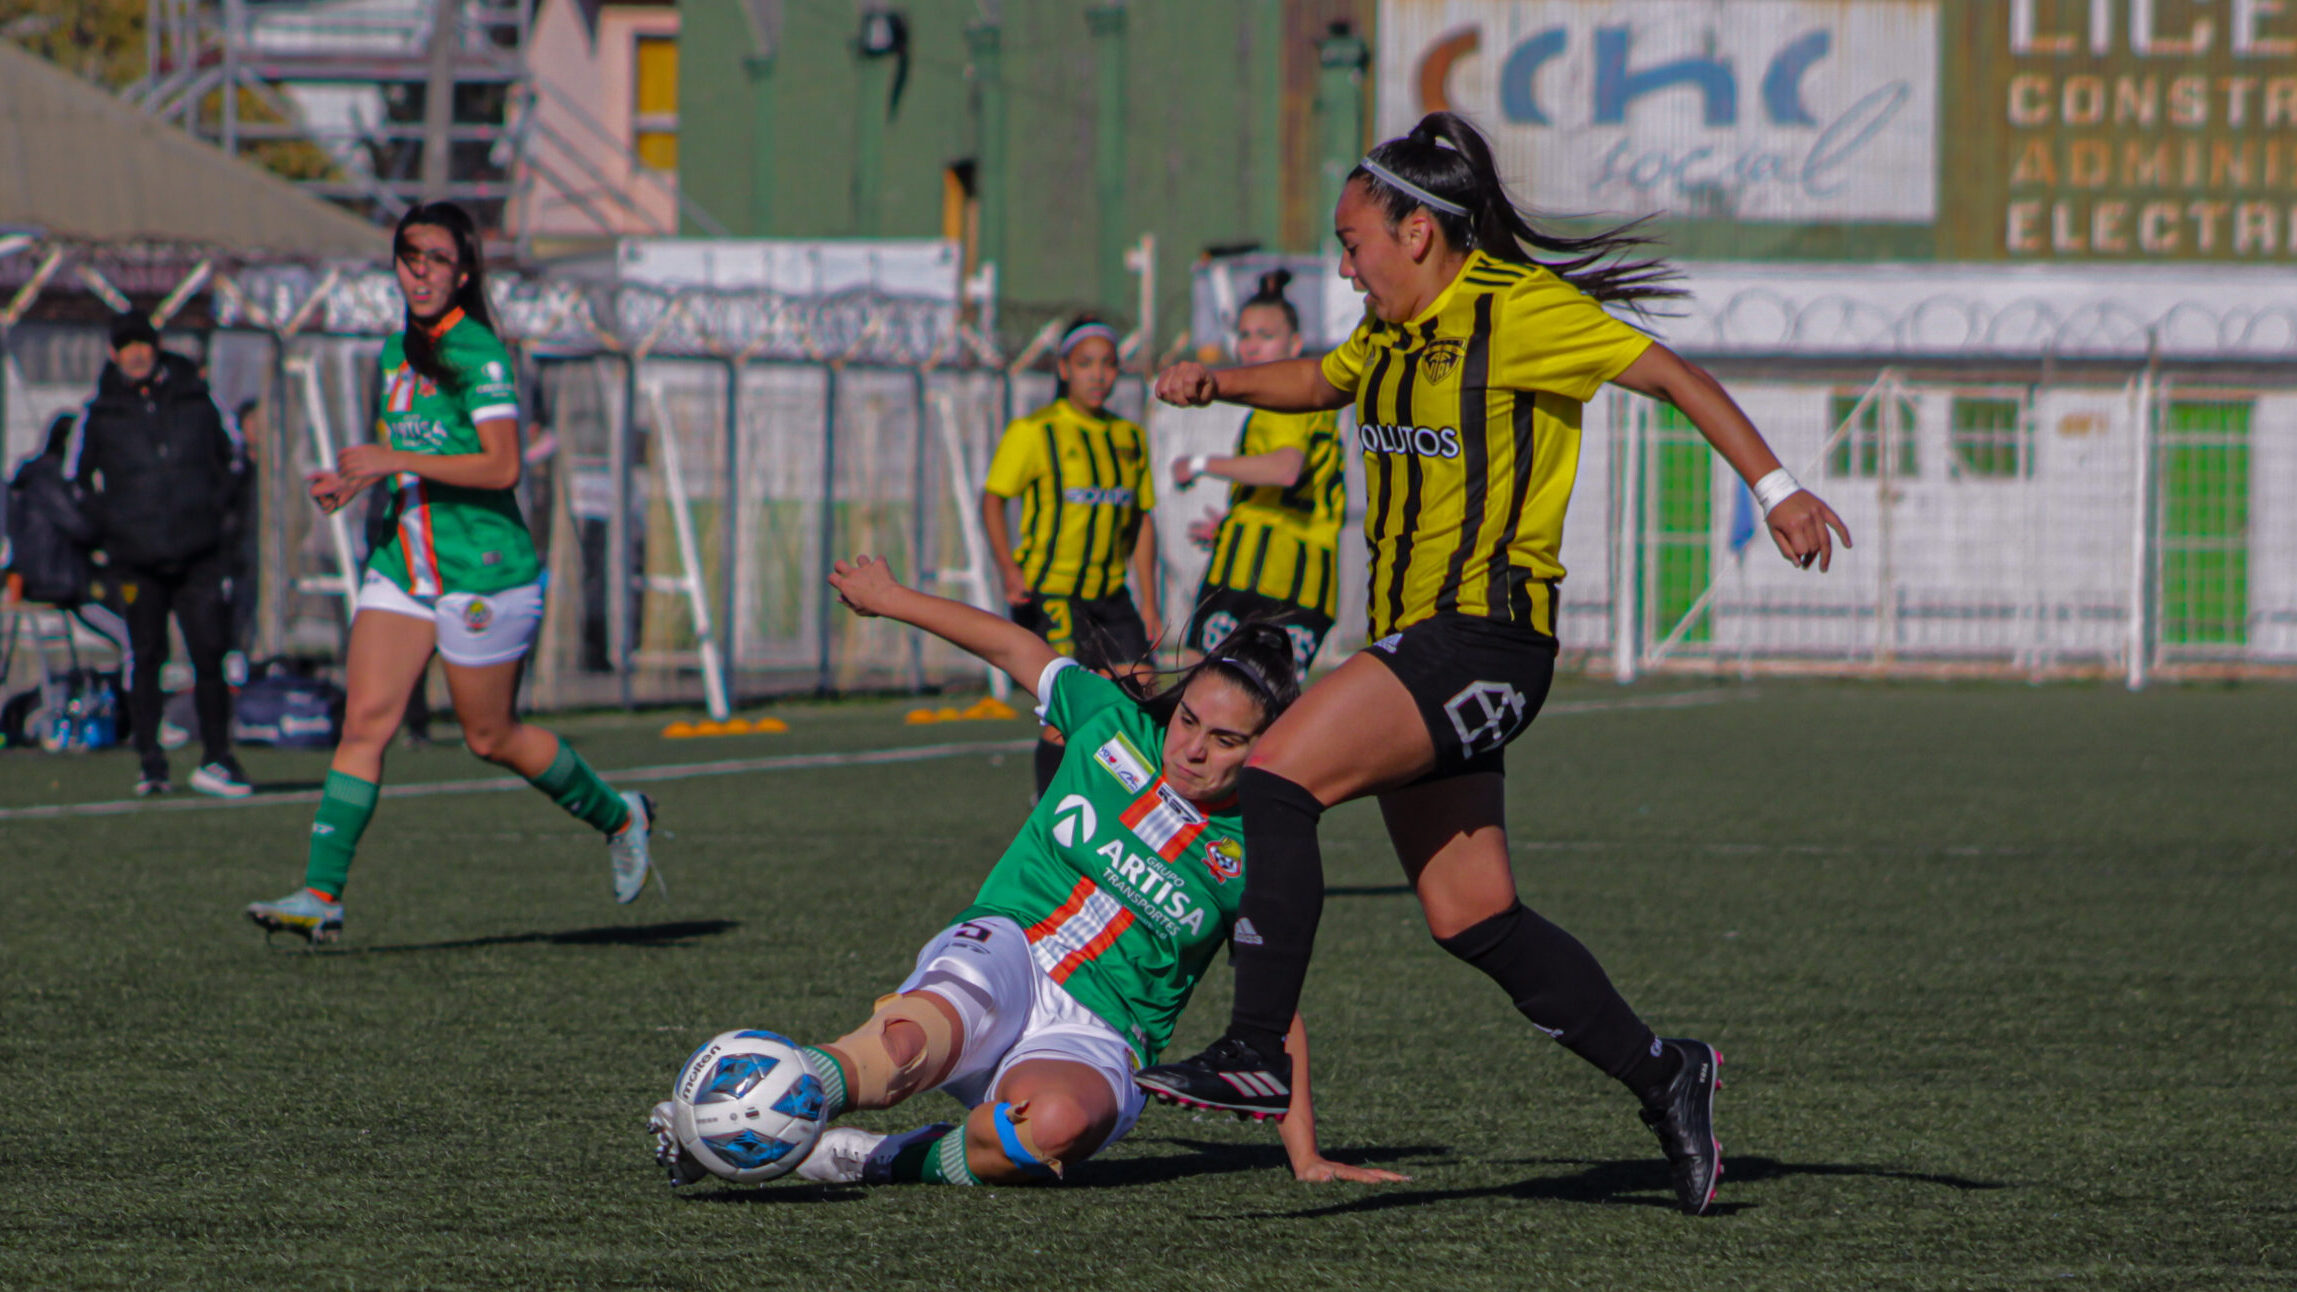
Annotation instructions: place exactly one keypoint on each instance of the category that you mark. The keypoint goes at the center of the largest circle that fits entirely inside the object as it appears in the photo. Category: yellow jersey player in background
(1275, 551)
(1082, 475)
(1468, 373)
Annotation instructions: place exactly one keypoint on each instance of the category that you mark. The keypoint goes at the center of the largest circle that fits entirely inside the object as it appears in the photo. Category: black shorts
(1221, 611)
(1105, 634)
(1478, 684)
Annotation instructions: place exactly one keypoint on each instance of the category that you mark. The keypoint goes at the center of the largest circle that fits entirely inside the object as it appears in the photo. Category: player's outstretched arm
(1278, 467)
(1799, 522)
(1299, 1125)
(1281, 386)
(867, 587)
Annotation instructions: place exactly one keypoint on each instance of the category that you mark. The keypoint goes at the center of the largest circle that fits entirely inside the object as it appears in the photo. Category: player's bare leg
(1045, 1113)
(485, 698)
(385, 662)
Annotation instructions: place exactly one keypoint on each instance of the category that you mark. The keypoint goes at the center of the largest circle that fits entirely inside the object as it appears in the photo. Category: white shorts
(475, 628)
(1013, 1012)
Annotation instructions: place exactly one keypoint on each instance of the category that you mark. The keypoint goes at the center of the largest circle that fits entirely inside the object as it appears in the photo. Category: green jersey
(451, 539)
(1126, 889)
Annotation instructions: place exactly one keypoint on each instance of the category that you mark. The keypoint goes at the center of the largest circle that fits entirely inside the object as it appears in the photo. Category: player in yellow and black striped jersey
(1087, 503)
(1468, 373)
(1275, 553)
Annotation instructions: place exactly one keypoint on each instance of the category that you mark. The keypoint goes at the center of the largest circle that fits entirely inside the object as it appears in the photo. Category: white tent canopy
(77, 164)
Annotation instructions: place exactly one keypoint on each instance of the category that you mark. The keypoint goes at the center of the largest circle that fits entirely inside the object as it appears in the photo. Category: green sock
(826, 1070)
(346, 805)
(585, 795)
(943, 1162)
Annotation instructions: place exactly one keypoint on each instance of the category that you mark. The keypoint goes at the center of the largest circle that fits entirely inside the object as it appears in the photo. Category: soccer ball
(746, 1107)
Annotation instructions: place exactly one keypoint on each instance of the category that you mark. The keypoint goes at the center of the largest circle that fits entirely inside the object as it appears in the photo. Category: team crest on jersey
(1441, 356)
(1119, 759)
(1224, 858)
(478, 614)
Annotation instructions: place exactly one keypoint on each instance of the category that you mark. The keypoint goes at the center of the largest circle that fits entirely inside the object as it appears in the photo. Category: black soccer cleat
(1229, 1077)
(1684, 1120)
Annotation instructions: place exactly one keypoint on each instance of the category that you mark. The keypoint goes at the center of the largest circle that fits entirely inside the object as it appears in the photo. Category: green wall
(1200, 87)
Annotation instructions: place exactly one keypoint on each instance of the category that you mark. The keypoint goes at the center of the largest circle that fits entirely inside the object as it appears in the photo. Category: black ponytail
(1450, 158)
(1271, 292)
(1256, 657)
(470, 298)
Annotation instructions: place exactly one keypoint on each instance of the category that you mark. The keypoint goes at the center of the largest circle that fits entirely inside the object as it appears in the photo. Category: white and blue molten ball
(746, 1107)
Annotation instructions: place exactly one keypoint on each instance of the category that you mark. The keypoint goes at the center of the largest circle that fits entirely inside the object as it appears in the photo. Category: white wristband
(1775, 488)
(1197, 463)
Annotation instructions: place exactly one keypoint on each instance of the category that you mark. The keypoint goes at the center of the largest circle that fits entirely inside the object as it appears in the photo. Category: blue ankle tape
(1009, 1138)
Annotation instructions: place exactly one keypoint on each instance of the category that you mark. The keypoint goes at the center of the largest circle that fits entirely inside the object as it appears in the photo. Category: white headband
(1079, 334)
(1409, 189)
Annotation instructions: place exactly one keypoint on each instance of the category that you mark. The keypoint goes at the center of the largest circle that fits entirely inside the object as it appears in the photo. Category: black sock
(1558, 985)
(1048, 762)
(1283, 901)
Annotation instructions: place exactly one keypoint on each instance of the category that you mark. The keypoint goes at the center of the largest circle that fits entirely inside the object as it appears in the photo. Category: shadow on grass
(1212, 1157)
(776, 1194)
(1637, 1182)
(287, 787)
(1368, 890)
(677, 933)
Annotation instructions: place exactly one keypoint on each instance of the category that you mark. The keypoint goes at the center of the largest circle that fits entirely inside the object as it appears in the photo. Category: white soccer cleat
(630, 849)
(662, 1123)
(839, 1156)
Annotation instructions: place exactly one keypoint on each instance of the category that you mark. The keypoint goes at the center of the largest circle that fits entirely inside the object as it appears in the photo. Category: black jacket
(49, 534)
(157, 466)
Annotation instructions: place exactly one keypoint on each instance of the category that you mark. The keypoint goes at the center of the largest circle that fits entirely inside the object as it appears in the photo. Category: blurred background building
(2012, 282)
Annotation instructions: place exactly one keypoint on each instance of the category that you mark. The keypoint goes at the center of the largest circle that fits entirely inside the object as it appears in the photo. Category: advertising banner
(2139, 130)
(1767, 111)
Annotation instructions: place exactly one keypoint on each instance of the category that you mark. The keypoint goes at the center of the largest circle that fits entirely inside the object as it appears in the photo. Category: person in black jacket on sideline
(158, 468)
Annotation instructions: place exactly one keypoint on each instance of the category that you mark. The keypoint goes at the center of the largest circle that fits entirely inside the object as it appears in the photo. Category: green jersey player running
(459, 575)
(1038, 1003)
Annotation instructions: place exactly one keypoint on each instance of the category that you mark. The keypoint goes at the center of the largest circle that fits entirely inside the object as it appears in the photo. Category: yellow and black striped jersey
(1468, 416)
(1084, 485)
(1281, 541)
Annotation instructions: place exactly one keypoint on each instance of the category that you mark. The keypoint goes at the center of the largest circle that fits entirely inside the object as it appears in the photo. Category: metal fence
(689, 509)
(2124, 524)
(2130, 522)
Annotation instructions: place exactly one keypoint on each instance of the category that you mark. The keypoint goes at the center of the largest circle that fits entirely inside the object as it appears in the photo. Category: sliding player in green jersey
(459, 576)
(1038, 1003)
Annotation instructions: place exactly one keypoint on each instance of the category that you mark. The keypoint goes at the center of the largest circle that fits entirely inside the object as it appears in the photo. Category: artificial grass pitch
(2002, 978)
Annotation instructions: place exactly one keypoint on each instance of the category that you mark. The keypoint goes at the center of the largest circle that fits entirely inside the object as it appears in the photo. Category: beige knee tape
(873, 1079)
